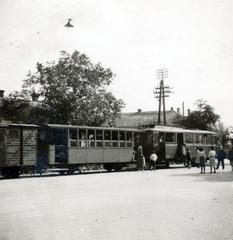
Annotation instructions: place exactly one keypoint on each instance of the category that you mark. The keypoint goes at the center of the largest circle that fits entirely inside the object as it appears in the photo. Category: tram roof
(91, 127)
(178, 130)
(18, 125)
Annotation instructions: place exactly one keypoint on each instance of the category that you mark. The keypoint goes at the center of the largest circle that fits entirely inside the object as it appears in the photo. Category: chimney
(2, 93)
(178, 110)
(35, 96)
(189, 112)
(172, 109)
(139, 110)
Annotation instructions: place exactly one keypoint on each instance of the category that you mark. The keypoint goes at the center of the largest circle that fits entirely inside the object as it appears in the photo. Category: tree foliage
(203, 118)
(71, 91)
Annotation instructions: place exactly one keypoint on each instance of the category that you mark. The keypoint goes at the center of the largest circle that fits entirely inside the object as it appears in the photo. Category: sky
(192, 39)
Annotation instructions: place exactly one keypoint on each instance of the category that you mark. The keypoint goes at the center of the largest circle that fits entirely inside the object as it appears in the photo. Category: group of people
(201, 158)
(141, 162)
(220, 155)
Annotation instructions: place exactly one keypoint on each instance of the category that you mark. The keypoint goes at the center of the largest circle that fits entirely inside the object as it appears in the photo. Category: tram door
(162, 148)
(180, 139)
(61, 145)
(180, 142)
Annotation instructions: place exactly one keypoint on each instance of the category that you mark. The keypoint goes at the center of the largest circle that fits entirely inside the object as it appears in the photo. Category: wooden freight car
(18, 148)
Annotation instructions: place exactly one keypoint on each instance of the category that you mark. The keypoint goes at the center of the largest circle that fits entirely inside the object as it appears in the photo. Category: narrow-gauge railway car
(64, 147)
(70, 147)
(167, 142)
(18, 148)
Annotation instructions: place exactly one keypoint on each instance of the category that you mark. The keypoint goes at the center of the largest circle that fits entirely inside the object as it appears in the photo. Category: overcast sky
(192, 38)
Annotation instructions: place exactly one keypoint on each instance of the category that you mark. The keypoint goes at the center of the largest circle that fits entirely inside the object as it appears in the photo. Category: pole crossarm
(161, 92)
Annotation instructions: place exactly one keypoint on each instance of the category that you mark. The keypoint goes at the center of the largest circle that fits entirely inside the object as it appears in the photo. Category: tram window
(107, 144)
(188, 138)
(99, 138)
(208, 139)
(115, 135)
(107, 135)
(170, 137)
(155, 137)
(122, 136)
(99, 135)
(129, 144)
(91, 138)
(82, 134)
(129, 137)
(114, 144)
(99, 144)
(73, 143)
(215, 140)
(205, 139)
(82, 137)
(13, 133)
(73, 134)
(199, 138)
(90, 134)
(149, 138)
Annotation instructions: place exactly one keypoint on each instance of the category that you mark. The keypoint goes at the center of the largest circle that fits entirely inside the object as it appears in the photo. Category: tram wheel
(108, 167)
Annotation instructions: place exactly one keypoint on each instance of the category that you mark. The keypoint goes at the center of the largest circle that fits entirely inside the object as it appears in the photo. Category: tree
(71, 91)
(203, 118)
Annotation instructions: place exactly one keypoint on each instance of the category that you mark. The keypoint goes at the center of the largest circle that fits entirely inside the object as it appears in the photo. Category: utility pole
(161, 93)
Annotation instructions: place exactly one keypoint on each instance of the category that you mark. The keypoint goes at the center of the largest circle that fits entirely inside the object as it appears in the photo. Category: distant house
(145, 119)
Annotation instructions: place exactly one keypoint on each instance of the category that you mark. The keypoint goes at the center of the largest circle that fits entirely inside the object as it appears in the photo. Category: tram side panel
(29, 150)
(18, 150)
(12, 147)
(2, 148)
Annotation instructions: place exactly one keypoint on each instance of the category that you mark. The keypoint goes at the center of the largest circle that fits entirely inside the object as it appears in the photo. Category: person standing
(153, 159)
(188, 157)
(221, 155)
(184, 155)
(212, 156)
(230, 157)
(140, 158)
(197, 157)
(202, 158)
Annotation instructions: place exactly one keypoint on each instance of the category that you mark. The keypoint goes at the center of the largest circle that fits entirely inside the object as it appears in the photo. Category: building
(147, 119)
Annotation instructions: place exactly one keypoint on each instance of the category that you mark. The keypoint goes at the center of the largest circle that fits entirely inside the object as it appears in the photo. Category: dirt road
(172, 204)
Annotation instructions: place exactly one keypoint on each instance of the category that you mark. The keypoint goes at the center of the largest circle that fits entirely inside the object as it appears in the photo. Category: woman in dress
(212, 156)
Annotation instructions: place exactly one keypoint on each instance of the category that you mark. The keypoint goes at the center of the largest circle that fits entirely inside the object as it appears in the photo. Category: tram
(167, 143)
(25, 148)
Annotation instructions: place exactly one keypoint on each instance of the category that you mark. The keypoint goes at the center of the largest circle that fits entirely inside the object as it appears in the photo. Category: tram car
(167, 143)
(25, 148)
